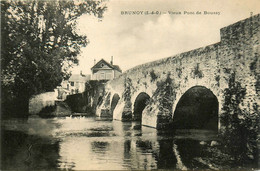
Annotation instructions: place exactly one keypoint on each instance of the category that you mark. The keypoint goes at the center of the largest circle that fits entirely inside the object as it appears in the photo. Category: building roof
(79, 78)
(97, 65)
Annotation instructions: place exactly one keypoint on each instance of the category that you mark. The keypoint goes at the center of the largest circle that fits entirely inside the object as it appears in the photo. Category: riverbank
(61, 109)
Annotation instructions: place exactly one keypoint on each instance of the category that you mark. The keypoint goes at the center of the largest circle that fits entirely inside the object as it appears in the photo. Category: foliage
(179, 71)
(166, 95)
(95, 89)
(40, 43)
(196, 72)
(241, 127)
(127, 91)
(254, 70)
(92, 86)
(153, 76)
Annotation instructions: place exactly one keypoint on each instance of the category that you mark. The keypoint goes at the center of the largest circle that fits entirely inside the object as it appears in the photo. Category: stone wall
(87, 101)
(229, 68)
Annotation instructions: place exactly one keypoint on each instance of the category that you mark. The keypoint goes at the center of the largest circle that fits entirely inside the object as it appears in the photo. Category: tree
(39, 44)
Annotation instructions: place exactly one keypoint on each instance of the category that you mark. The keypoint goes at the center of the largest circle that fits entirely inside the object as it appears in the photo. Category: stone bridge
(194, 89)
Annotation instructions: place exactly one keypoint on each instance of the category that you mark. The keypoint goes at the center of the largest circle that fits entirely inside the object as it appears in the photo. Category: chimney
(81, 72)
(111, 62)
(94, 61)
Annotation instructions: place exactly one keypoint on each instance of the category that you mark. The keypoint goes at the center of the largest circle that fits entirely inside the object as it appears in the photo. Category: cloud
(134, 40)
(163, 37)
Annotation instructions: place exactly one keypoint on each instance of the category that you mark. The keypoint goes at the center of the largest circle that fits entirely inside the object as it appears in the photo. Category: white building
(105, 71)
(75, 84)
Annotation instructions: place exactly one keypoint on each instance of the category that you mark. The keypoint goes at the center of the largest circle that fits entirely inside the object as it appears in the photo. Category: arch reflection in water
(120, 149)
(100, 144)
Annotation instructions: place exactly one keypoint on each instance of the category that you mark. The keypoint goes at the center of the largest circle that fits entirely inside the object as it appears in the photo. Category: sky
(134, 39)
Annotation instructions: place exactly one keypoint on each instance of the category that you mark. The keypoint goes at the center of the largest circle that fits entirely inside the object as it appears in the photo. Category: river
(92, 143)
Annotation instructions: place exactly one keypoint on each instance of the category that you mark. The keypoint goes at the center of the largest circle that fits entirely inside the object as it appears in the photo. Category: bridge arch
(197, 109)
(139, 104)
(114, 102)
(99, 100)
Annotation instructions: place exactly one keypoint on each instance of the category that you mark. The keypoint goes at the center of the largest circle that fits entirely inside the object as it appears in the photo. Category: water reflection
(88, 143)
(166, 158)
(25, 152)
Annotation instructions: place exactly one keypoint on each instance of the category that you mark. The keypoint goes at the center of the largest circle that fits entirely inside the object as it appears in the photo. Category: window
(102, 65)
(108, 76)
(72, 83)
(102, 76)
